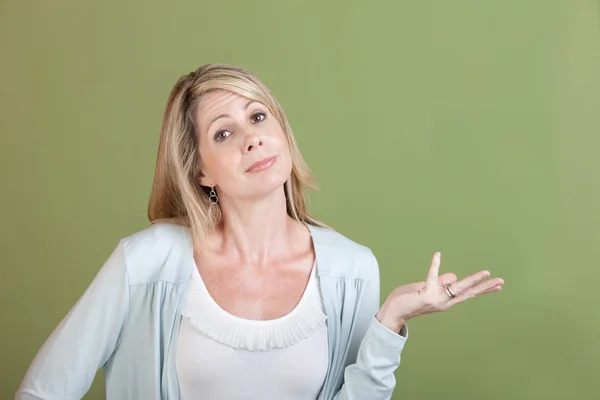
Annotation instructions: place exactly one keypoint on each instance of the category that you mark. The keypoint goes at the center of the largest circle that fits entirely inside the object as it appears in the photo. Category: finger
(489, 286)
(447, 279)
(492, 290)
(468, 282)
(459, 300)
(434, 269)
(483, 287)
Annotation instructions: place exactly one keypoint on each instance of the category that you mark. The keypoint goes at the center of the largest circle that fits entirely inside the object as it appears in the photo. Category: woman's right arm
(81, 344)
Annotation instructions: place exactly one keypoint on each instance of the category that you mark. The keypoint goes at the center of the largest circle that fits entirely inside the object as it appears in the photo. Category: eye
(222, 135)
(259, 117)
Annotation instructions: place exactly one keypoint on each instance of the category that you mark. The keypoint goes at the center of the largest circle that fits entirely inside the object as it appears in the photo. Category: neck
(255, 232)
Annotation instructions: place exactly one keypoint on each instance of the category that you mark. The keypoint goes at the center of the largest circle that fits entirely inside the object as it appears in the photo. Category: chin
(268, 184)
(274, 184)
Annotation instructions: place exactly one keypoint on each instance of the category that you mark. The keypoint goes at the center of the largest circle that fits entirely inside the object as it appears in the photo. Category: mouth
(262, 164)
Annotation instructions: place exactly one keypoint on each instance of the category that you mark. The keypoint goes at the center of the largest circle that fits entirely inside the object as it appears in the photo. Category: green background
(467, 127)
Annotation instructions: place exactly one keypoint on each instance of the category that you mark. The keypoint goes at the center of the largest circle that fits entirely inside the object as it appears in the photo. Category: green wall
(469, 127)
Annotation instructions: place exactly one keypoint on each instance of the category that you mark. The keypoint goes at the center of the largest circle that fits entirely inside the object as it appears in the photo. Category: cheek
(222, 163)
(209, 160)
(217, 163)
(286, 156)
(285, 148)
(280, 140)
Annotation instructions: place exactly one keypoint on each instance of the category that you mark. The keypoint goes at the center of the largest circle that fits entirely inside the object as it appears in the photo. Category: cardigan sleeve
(84, 340)
(372, 375)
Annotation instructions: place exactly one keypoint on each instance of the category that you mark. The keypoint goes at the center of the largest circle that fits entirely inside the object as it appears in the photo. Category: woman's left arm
(372, 375)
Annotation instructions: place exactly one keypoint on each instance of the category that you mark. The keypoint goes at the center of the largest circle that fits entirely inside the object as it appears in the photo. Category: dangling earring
(212, 196)
(214, 204)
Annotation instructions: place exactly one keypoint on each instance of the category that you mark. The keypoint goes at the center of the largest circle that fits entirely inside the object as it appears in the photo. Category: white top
(221, 356)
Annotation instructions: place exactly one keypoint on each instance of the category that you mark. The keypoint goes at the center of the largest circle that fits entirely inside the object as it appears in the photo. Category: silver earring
(212, 197)
(214, 206)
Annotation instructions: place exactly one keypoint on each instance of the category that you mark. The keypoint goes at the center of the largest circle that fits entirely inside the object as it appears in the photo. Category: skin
(257, 261)
(421, 298)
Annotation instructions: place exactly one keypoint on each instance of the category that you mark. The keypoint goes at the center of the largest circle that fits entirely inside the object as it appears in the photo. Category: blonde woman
(235, 291)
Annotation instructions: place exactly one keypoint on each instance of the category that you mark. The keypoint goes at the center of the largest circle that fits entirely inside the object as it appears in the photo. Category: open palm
(437, 293)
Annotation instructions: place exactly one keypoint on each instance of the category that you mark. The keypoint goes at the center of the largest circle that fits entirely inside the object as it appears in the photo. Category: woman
(235, 291)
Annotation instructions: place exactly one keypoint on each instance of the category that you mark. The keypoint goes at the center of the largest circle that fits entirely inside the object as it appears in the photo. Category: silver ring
(450, 292)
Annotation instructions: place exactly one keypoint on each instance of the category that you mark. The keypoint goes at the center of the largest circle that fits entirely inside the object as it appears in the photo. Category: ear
(204, 180)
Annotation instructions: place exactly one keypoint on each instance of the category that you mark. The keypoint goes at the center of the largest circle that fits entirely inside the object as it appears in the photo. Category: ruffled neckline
(305, 319)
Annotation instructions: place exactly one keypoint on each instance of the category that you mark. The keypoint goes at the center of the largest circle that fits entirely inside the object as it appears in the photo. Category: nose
(253, 140)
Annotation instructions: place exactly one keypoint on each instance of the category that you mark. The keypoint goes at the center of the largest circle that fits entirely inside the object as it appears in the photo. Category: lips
(261, 165)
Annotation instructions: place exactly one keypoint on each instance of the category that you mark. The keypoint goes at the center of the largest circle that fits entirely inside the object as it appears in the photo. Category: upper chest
(256, 292)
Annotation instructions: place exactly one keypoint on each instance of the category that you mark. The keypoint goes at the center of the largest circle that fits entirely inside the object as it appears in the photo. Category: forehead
(219, 101)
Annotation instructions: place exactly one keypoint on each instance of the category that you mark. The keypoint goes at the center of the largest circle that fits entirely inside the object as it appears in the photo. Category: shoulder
(161, 252)
(340, 256)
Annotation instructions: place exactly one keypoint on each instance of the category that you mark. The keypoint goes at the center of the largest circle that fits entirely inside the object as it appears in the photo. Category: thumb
(434, 270)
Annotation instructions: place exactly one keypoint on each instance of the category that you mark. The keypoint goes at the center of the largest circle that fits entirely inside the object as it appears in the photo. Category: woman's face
(243, 149)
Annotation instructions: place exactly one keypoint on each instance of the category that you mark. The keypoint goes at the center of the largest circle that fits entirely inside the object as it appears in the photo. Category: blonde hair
(176, 194)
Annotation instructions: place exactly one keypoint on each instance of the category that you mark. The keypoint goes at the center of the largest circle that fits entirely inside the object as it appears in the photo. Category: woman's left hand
(437, 293)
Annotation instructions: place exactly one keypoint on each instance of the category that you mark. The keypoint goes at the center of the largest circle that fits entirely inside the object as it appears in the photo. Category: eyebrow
(227, 115)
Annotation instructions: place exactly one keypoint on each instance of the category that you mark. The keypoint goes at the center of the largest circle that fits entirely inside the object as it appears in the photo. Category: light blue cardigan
(128, 319)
